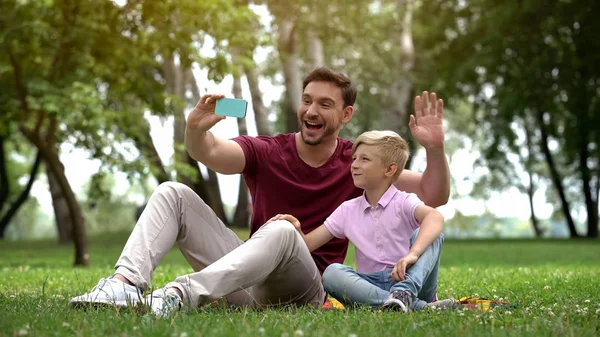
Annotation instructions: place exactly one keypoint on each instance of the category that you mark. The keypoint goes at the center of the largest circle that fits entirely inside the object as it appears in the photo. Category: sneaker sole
(101, 304)
(394, 305)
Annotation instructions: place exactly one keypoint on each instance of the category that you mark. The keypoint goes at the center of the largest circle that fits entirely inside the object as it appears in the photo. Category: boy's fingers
(402, 270)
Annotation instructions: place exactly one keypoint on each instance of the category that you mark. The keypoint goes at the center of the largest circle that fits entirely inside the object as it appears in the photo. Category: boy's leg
(274, 267)
(351, 287)
(174, 213)
(422, 277)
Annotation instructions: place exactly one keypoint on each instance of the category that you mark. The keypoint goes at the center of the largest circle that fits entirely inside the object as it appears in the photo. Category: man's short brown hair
(324, 74)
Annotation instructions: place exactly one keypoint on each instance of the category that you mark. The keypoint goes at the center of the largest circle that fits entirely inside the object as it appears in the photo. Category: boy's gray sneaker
(398, 300)
(164, 302)
(108, 291)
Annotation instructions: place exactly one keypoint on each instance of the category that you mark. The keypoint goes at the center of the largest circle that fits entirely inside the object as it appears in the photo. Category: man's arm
(433, 186)
(220, 155)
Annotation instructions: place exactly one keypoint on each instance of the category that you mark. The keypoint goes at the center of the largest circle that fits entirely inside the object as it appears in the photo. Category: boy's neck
(374, 193)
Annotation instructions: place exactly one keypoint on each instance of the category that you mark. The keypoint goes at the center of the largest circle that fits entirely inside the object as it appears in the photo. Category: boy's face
(368, 169)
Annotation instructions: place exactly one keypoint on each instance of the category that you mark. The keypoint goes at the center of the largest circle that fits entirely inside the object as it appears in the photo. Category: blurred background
(94, 96)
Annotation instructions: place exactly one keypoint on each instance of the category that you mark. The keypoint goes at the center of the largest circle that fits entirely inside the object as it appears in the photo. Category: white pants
(272, 268)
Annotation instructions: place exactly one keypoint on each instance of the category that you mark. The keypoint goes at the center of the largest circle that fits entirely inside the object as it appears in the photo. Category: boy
(391, 229)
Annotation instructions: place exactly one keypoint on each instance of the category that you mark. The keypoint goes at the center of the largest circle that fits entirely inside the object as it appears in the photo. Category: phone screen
(233, 107)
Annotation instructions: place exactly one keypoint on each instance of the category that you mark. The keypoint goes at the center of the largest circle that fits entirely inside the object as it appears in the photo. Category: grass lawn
(554, 283)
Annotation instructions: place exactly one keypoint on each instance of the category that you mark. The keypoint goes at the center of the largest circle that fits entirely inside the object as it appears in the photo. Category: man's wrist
(435, 151)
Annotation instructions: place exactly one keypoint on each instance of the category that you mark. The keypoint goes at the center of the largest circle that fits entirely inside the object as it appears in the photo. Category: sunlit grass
(553, 283)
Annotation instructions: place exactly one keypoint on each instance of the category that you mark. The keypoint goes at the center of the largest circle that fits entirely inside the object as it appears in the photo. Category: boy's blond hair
(390, 146)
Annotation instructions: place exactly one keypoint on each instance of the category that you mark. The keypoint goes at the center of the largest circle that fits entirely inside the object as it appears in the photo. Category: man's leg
(351, 287)
(272, 268)
(174, 213)
(422, 277)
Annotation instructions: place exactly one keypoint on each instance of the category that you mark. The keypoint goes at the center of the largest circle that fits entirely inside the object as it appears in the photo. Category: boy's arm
(432, 223)
(314, 239)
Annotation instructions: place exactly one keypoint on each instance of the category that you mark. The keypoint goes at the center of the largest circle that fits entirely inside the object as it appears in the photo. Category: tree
(530, 59)
(20, 198)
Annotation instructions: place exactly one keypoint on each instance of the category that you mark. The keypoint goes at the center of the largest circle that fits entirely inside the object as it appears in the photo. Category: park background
(94, 97)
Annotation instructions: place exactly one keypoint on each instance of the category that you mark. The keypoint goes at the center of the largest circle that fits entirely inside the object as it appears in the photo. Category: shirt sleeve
(335, 222)
(407, 207)
(255, 148)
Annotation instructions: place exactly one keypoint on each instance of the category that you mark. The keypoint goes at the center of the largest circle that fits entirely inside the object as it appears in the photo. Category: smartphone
(233, 107)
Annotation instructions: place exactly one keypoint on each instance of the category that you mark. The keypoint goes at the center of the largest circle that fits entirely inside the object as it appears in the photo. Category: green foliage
(551, 282)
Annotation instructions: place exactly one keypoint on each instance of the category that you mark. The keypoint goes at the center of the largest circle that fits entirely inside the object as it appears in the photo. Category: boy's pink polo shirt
(382, 234)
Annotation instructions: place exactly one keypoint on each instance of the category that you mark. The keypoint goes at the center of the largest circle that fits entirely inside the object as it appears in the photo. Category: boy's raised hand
(399, 271)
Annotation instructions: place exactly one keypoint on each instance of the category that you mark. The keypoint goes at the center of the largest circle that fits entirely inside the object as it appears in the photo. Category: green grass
(554, 283)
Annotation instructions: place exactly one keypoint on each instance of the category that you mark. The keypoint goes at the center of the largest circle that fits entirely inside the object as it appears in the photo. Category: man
(305, 173)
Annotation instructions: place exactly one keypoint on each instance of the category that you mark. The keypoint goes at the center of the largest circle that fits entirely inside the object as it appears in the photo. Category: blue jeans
(353, 288)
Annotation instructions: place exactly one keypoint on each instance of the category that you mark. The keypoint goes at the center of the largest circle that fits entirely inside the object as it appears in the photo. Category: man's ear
(391, 169)
(347, 114)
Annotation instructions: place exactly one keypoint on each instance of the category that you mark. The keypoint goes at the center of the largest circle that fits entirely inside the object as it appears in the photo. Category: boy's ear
(391, 169)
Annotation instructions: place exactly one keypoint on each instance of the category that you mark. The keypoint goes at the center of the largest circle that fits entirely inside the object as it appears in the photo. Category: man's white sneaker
(164, 302)
(108, 291)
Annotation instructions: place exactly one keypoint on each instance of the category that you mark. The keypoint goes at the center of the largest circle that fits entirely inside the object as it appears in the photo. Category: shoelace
(100, 284)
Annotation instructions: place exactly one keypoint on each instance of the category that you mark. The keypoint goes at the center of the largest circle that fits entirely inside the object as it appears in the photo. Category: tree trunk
(12, 211)
(4, 183)
(177, 81)
(78, 231)
(397, 117)
(315, 48)
(584, 169)
(591, 205)
(47, 148)
(555, 175)
(207, 189)
(288, 53)
(594, 231)
(531, 187)
(143, 142)
(241, 217)
(260, 112)
(62, 215)
(534, 220)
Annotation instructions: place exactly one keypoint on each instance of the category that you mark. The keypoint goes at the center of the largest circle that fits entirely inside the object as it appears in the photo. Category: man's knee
(280, 227)
(171, 187)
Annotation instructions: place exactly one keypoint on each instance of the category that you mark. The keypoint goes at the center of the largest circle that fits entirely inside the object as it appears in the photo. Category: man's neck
(374, 194)
(315, 155)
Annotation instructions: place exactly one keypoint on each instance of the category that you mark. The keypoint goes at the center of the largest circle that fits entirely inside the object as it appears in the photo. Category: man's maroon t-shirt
(282, 183)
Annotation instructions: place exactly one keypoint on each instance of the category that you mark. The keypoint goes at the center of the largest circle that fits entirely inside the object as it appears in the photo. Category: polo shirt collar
(385, 199)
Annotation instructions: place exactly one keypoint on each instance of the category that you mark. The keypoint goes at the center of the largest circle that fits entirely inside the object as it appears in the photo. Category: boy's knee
(413, 237)
(333, 273)
(440, 238)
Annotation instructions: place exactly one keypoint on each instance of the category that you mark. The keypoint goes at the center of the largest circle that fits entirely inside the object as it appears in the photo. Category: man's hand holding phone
(203, 117)
(213, 108)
